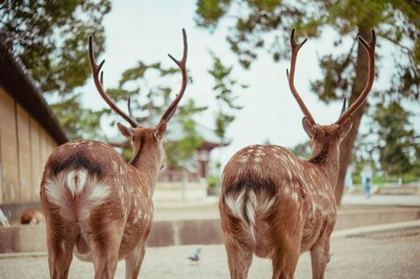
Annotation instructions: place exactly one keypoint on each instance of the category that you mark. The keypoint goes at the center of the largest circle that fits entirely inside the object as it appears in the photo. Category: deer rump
(251, 206)
(84, 191)
(262, 214)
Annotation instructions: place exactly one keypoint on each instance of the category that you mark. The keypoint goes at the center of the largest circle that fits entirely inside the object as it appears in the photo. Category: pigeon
(195, 256)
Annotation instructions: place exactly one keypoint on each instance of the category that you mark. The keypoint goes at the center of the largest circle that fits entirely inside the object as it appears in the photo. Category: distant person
(348, 180)
(367, 180)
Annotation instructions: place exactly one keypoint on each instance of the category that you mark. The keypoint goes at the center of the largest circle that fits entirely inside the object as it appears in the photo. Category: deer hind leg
(105, 250)
(239, 257)
(134, 261)
(284, 261)
(61, 238)
(239, 246)
(103, 234)
(319, 259)
(286, 252)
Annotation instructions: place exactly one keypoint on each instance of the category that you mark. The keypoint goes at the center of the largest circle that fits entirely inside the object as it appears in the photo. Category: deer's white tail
(248, 206)
(75, 192)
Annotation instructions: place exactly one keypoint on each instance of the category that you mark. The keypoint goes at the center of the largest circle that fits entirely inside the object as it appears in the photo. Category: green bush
(213, 180)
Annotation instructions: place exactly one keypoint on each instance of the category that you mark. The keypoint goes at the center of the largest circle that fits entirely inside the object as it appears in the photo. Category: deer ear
(346, 126)
(160, 131)
(308, 126)
(126, 132)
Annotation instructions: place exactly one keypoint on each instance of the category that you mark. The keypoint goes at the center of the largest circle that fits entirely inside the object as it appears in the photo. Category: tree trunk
(346, 145)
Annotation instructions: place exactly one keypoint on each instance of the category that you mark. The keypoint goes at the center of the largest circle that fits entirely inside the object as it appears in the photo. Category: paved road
(404, 200)
(207, 209)
(380, 255)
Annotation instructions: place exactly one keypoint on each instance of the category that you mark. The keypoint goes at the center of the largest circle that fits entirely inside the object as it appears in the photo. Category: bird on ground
(195, 256)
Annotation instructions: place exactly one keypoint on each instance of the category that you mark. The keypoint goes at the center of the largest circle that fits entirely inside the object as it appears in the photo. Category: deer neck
(326, 156)
(147, 164)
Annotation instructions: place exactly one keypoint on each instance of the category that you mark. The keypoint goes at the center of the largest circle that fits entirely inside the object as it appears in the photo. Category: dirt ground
(380, 255)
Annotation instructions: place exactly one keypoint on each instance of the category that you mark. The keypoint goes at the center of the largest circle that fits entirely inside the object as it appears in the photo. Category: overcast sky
(148, 30)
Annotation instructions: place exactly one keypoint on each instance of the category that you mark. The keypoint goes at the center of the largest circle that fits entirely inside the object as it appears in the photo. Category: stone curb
(29, 239)
(362, 231)
(340, 234)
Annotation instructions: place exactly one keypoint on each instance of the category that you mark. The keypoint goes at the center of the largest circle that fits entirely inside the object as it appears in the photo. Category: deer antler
(98, 79)
(343, 107)
(182, 65)
(295, 49)
(370, 48)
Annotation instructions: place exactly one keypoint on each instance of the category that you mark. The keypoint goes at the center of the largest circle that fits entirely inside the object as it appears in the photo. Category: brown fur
(32, 216)
(302, 214)
(96, 203)
(276, 205)
(108, 233)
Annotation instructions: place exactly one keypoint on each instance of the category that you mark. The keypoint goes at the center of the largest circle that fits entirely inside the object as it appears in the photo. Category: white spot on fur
(114, 166)
(257, 160)
(289, 174)
(294, 196)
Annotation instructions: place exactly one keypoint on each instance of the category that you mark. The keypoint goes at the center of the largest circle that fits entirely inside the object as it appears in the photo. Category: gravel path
(387, 255)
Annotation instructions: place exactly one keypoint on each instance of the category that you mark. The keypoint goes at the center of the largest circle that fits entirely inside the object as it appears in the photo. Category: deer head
(140, 137)
(323, 135)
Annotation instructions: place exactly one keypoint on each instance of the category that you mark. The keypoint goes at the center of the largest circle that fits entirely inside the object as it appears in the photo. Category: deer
(97, 205)
(275, 205)
(31, 216)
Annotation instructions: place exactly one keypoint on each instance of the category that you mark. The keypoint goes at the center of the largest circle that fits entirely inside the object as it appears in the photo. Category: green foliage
(264, 25)
(391, 142)
(210, 11)
(398, 146)
(395, 21)
(213, 180)
(50, 39)
(224, 90)
(80, 123)
(181, 151)
(148, 101)
(381, 180)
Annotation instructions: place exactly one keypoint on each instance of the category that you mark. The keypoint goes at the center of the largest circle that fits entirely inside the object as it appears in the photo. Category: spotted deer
(276, 205)
(96, 204)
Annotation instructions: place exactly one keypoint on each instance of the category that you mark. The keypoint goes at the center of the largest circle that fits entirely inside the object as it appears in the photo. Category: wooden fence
(24, 149)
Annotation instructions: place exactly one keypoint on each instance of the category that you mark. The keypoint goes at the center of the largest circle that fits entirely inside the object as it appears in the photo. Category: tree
(395, 23)
(397, 147)
(50, 39)
(180, 152)
(148, 102)
(395, 141)
(148, 99)
(224, 89)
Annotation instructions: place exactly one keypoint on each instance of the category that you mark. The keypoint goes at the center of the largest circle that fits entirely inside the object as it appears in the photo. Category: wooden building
(28, 132)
